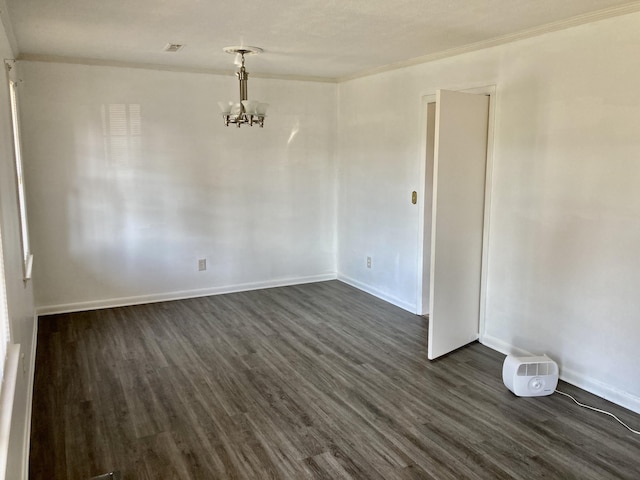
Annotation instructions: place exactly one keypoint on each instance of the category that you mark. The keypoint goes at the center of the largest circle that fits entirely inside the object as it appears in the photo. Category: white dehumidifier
(530, 376)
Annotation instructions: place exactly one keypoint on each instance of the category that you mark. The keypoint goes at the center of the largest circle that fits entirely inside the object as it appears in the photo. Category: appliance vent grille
(535, 369)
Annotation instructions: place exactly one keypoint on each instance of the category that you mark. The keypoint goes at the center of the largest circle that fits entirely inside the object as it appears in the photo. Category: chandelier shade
(244, 112)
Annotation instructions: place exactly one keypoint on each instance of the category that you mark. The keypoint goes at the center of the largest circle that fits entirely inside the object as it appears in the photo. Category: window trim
(27, 256)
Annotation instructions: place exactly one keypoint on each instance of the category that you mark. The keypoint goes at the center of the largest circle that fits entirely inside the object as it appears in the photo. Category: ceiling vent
(173, 47)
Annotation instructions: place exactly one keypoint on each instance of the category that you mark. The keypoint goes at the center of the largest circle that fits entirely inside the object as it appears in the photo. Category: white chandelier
(246, 112)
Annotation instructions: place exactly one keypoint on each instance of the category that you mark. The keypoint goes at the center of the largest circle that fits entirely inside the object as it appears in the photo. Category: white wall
(564, 269)
(380, 144)
(120, 219)
(19, 295)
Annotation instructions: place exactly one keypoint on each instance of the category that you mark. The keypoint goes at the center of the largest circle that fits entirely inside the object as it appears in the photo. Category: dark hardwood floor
(317, 381)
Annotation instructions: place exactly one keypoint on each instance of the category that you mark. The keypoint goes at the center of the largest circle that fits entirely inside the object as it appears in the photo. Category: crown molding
(503, 39)
(29, 57)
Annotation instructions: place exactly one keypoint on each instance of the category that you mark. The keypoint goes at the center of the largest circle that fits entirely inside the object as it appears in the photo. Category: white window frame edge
(6, 401)
(25, 244)
(5, 329)
(9, 364)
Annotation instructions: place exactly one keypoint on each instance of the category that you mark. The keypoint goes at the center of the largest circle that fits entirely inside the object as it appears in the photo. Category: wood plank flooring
(317, 381)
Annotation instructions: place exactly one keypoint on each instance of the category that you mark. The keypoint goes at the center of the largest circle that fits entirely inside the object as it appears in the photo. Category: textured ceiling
(334, 39)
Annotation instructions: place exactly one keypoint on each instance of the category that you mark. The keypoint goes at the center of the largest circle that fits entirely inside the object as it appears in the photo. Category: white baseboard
(30, 383)
(503, 347)
(410, 307)
(164, 297)
(601, 389)
(579, 380)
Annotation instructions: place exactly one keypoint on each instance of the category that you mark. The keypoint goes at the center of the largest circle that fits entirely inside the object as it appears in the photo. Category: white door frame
(422, 269)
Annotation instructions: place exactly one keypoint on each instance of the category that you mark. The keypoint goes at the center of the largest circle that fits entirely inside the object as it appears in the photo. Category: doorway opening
(454, 215)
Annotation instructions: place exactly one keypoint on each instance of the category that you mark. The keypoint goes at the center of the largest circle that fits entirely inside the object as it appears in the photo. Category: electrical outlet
(202, 264)
(368, 262)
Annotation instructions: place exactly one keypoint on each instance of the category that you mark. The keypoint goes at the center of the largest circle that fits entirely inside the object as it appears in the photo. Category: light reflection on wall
(121, 129)
(294, 131)
(115, 187)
